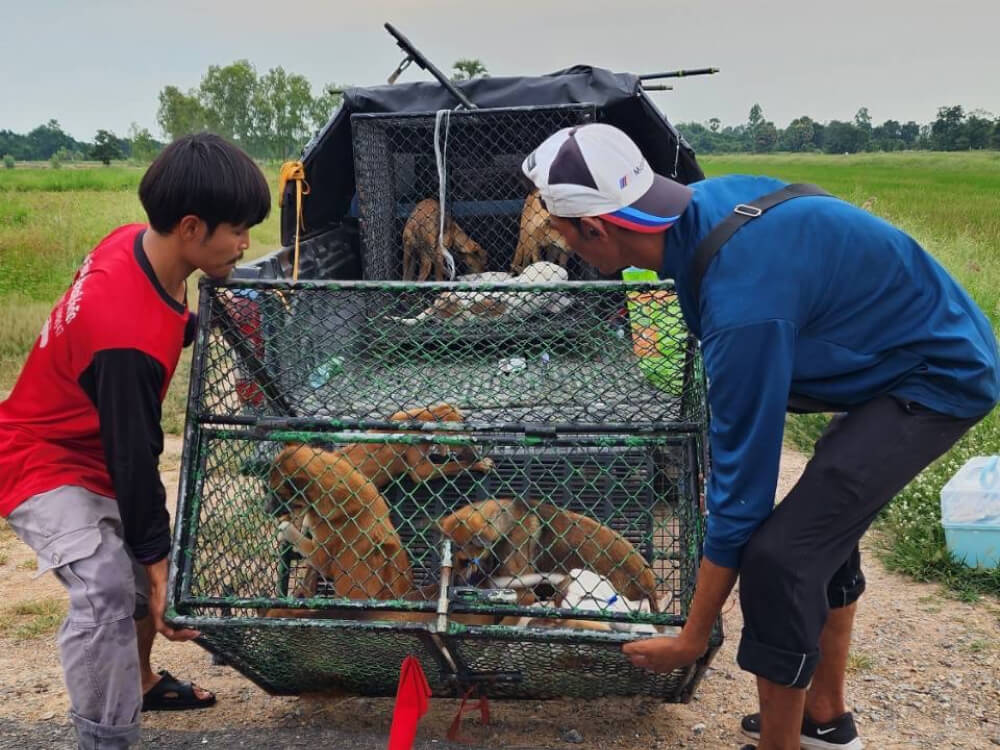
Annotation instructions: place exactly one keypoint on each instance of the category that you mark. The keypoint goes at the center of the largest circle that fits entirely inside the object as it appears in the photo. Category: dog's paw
(485, 465)
(288, 533)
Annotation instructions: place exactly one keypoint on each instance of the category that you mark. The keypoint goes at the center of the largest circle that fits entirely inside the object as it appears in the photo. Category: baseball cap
(597, 170)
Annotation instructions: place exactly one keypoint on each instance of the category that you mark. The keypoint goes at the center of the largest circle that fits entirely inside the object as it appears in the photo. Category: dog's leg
(425, 470)
(409, 264)
(425, 266)
(439, 264)
(312, 552)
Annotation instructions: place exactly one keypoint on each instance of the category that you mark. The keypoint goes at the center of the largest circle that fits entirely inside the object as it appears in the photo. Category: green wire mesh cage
(510, 506)
(573, 355)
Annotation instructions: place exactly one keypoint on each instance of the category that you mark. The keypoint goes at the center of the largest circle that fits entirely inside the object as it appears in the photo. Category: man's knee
(845, 588)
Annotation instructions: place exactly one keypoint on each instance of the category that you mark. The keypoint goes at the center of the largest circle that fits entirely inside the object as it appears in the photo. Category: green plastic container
(658, 332)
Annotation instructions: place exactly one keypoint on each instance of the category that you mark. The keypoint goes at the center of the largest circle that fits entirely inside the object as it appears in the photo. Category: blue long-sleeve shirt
(816, 298)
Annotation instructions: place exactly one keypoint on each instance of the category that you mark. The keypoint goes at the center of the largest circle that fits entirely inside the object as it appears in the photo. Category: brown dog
(420, 243)
(336, 496)
(515, 538)
(537, 235)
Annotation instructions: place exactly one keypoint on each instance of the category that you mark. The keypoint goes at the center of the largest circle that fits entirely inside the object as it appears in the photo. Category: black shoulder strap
(726, 228)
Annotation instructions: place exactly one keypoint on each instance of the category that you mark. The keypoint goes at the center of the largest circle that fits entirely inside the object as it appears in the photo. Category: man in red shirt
(80, 435)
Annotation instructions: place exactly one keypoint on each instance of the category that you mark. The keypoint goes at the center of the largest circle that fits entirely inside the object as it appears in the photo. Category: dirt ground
(925, 673)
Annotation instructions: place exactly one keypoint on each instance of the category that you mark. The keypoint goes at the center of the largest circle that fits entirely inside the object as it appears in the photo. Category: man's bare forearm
(713, 587)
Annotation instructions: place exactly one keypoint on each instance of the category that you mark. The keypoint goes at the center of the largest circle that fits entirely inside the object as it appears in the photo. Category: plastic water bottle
(332, 367)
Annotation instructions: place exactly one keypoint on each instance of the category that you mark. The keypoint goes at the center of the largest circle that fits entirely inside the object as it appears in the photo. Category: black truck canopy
(618, 98)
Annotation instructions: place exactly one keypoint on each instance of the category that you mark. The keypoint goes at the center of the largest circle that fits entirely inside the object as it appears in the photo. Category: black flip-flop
(170, 694)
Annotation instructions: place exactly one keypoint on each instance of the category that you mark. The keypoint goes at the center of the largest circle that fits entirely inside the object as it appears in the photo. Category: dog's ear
(405, 416)
(445, 412)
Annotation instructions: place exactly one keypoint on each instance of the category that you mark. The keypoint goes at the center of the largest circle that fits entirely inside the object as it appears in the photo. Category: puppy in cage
(467, 306)
(341, 520)
(432, 247)
(538, 240)
(519, 542)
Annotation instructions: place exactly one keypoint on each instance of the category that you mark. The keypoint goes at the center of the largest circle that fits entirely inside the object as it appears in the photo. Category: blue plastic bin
(970, 512)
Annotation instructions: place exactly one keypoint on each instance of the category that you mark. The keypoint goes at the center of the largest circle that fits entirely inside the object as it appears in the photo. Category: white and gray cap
(597, 170)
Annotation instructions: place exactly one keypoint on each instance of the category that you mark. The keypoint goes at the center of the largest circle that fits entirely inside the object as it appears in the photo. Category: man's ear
(593, 228)
(189, 228)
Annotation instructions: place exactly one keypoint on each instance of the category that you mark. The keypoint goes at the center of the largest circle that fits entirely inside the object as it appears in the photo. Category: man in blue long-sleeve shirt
(806, 304)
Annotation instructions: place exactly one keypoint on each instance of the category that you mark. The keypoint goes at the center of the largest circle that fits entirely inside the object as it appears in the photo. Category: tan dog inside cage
(519, 543)
(340, 521)
(341, 527)
(537, 239)
(425, 245)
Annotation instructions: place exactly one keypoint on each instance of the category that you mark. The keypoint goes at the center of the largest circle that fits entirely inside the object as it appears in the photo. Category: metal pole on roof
(679, 73)
(415, 55)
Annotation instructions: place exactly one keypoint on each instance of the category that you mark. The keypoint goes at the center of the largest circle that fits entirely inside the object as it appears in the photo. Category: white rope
(441, 157)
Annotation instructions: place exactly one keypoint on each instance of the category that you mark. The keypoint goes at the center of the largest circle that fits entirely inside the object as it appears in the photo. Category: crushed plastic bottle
(511, 365)
(332, 367)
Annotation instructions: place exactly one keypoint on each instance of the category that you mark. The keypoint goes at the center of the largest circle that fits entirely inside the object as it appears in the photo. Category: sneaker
(839, 734)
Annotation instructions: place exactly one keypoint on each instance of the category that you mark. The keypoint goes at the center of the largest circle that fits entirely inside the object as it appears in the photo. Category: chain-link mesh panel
(594, 526)
(291, 657)
(404, 164)
(575, 354)
(556, 666)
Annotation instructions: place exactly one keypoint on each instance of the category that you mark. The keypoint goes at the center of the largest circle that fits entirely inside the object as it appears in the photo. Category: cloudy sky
(101, 63)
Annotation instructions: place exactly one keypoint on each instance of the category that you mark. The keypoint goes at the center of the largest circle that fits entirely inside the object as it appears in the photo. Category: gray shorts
(78, 536)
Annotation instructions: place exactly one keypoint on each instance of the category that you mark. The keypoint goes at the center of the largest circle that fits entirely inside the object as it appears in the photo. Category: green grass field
(49, 219)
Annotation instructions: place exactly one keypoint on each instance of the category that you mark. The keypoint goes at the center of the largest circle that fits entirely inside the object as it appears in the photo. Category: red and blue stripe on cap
(632, 218)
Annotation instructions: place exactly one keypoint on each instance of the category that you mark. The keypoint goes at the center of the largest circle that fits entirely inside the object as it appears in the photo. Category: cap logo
(638, 168)
(623, 182)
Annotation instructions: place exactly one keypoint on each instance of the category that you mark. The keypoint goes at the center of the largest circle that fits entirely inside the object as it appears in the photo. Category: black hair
(205, 175)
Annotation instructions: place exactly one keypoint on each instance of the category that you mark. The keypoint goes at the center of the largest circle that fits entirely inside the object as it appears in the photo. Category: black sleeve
(124, 385)
(190, 329)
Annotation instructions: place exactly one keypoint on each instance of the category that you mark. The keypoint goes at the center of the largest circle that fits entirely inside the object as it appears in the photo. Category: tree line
(953, 129)
(272, 115)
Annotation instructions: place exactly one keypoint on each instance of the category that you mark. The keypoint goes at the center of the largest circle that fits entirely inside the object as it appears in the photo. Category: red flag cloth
(412, 697)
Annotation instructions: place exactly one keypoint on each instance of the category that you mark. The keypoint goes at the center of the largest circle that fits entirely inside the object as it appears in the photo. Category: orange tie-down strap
(294, 171)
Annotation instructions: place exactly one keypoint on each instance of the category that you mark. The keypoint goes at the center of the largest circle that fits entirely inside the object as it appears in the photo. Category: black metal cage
(467, 161)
